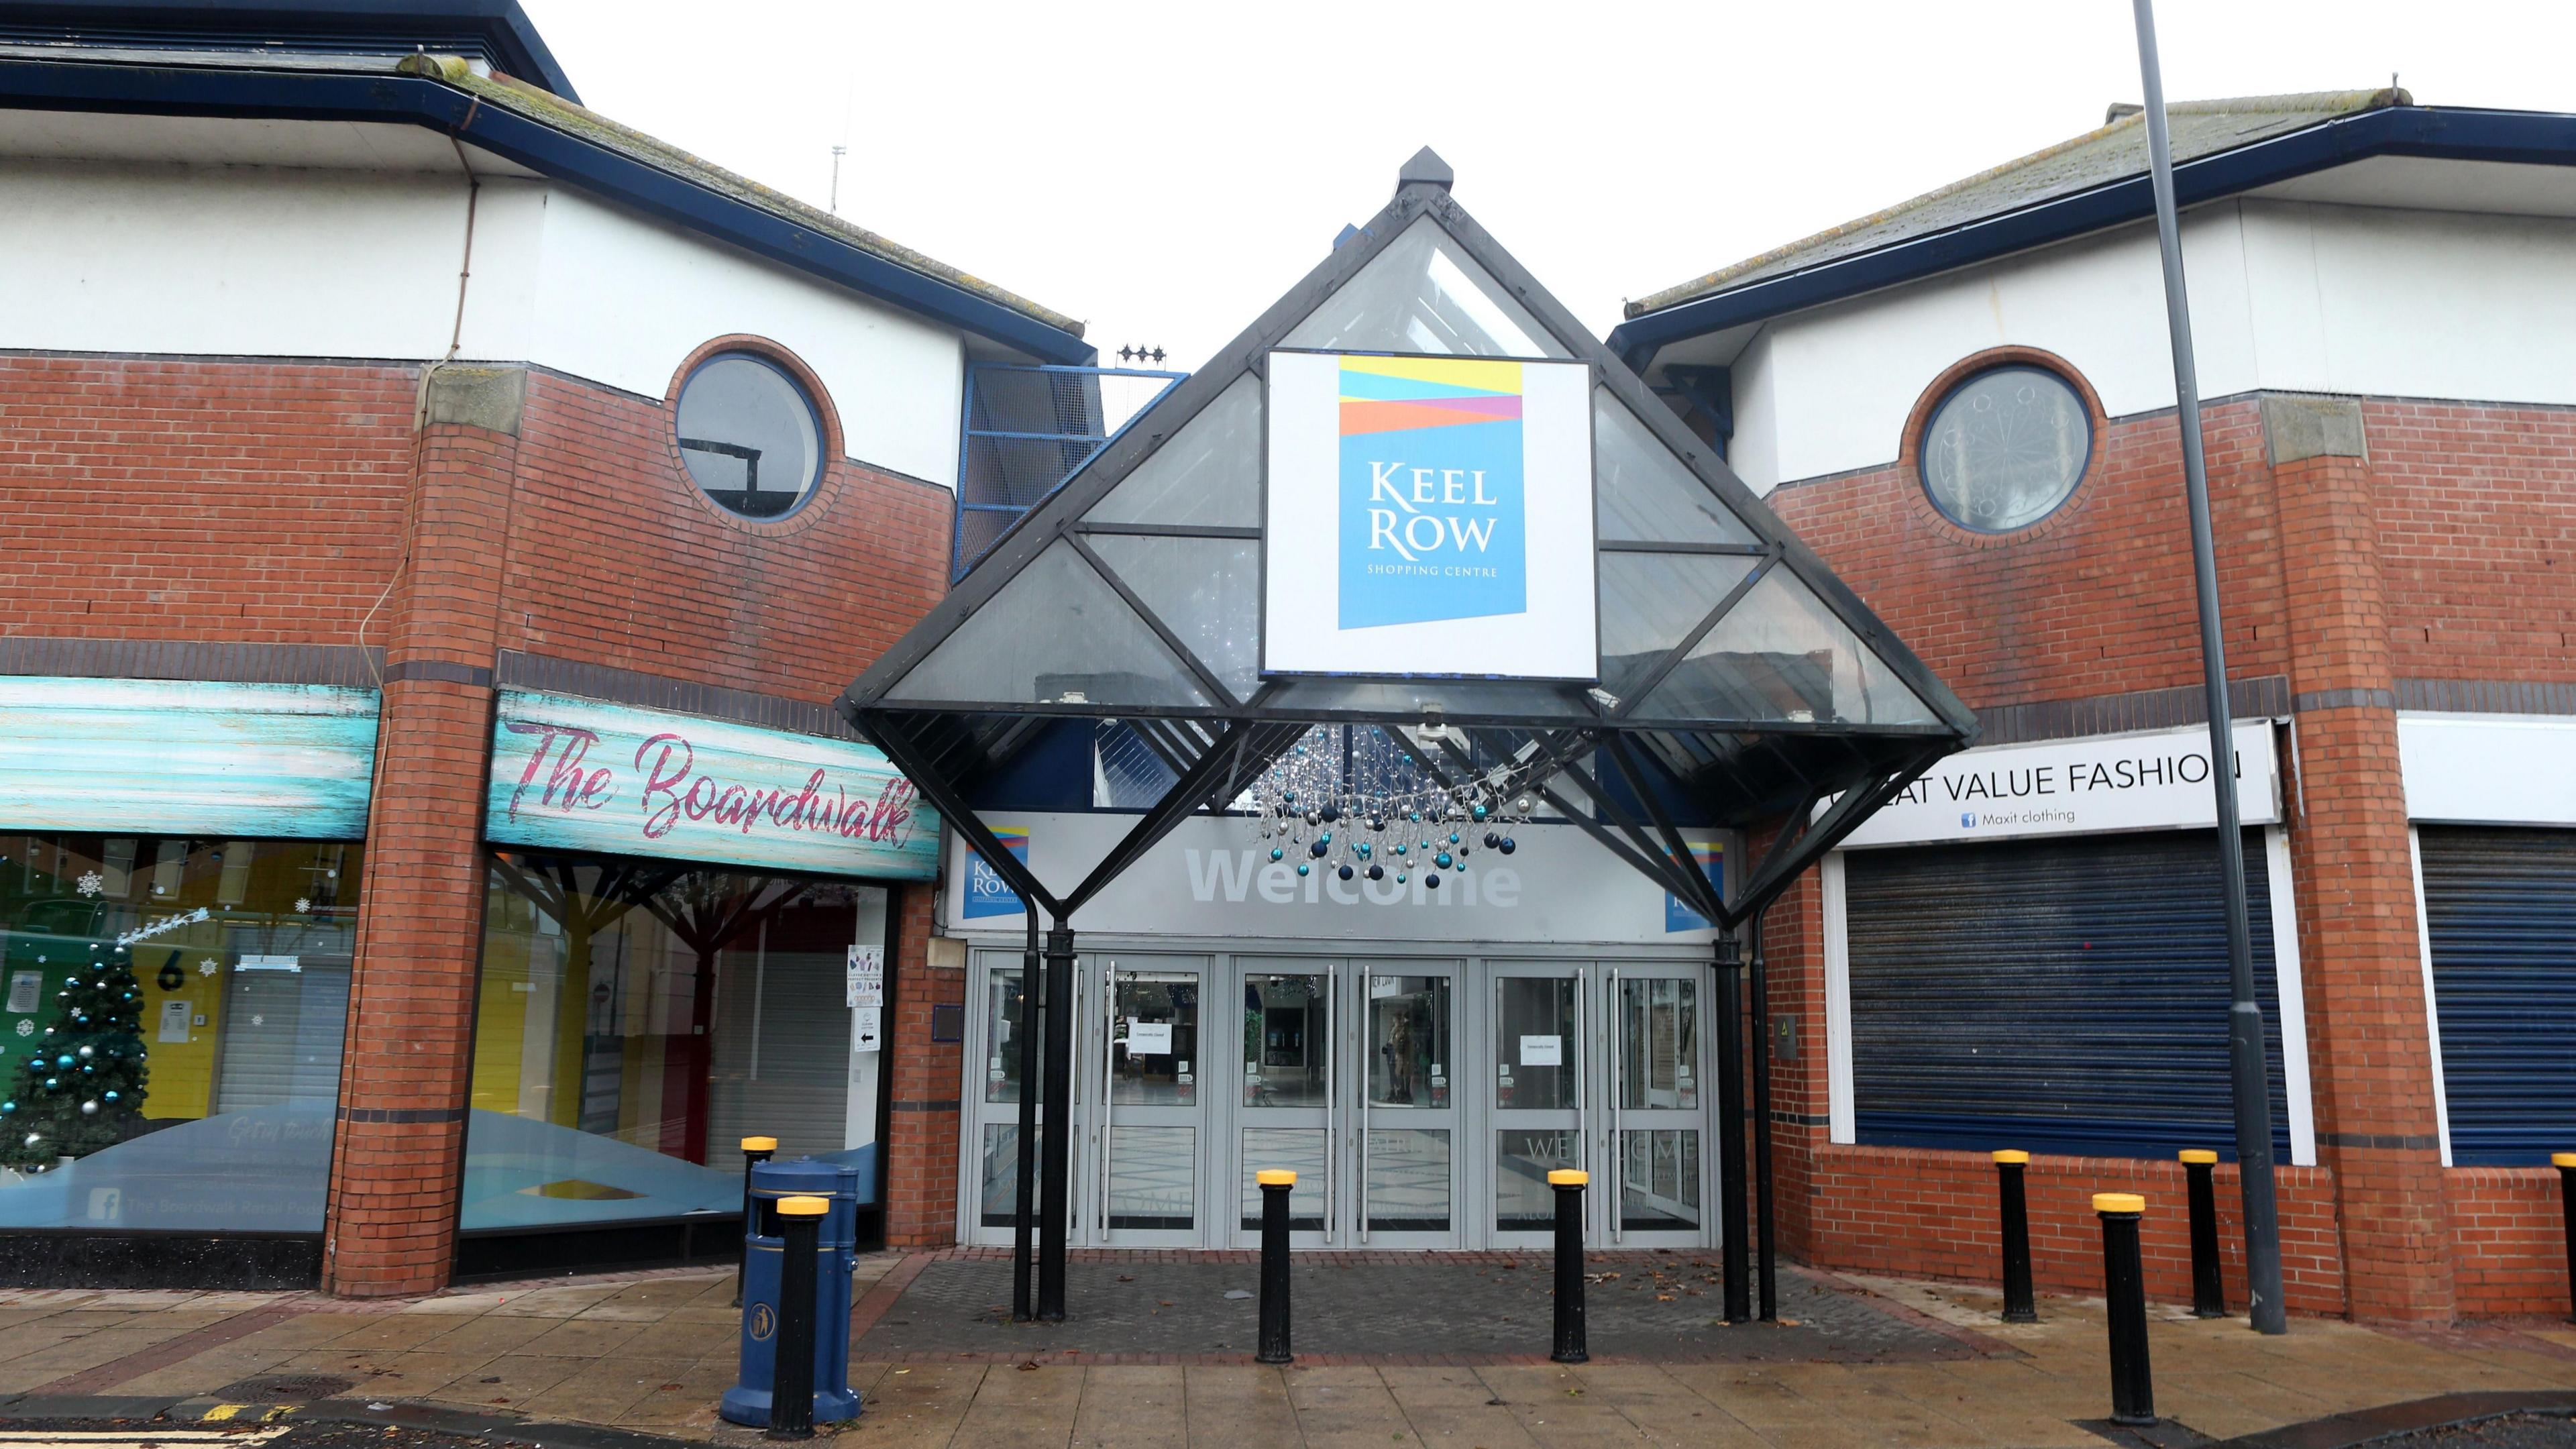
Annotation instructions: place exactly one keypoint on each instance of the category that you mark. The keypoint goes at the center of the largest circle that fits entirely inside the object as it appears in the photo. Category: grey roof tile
(2111, 152)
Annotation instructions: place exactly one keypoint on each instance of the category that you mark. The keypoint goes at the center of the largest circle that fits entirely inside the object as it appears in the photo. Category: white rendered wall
(2284, 295)
(286, 262)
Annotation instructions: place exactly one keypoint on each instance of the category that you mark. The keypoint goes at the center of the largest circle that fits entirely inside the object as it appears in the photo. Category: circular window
(749, 435)
(2005, 448)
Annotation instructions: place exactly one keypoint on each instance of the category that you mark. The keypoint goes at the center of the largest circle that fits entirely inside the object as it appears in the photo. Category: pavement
(1445, 1352)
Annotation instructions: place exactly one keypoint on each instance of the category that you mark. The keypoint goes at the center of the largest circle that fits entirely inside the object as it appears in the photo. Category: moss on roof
(2110, 152)
(554, 111)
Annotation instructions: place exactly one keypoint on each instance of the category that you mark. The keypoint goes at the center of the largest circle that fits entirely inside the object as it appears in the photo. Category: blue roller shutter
(2066, 995)
(2500, 908)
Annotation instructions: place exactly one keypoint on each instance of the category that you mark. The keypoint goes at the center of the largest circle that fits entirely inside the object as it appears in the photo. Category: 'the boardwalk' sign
(583, 774)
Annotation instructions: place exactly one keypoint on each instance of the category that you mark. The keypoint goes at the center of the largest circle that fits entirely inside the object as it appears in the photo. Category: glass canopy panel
(1055, 634)
(1207, 475)
(1650, 602)
(1207, 591)
(1412, 698)
(1648, 495)
(1780, 654)
(1425, 294)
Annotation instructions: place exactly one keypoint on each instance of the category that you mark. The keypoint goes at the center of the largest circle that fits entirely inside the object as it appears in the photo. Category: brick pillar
(922, 1118)
(404, 1071)
(2371, 1057)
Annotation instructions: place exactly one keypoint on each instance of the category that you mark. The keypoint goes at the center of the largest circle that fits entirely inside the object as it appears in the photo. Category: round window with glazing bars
(2006, 448)
(751, 438)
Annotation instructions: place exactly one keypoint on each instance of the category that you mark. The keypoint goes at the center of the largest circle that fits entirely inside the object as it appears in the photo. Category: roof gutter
(2522, 137)
(411, 100)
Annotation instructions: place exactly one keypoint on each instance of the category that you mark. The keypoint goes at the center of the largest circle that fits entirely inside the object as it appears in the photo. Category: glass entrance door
(1542, 1077)
(1408, 1129)
(1655, 1118)
(1146, 1105)
(1291, 1109)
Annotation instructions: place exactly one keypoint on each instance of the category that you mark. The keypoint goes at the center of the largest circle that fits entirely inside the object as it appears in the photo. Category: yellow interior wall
(182, 1084)
(501, 1021)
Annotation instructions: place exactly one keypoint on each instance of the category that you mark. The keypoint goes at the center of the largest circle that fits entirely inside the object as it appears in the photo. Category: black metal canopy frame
(1741, 686)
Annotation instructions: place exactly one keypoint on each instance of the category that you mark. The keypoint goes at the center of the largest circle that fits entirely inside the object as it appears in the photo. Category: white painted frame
(2432, 1008)
(1841, 1119)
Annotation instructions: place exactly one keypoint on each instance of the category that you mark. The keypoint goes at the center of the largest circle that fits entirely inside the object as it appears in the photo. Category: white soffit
(2473, 769)
(237, 141)
(2426, 183)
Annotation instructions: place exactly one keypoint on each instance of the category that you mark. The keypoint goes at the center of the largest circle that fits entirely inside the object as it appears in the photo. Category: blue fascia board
(2522, 137)
(400, 99)
(517, 47)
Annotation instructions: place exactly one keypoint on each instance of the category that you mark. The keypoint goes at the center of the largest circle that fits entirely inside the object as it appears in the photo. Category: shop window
(750, 436)
(170, 1045)
(637, 1019)
(2006, 448)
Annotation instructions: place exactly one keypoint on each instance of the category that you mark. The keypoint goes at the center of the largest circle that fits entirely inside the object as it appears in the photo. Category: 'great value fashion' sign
(583, 774)
(1429, 515)
(2091, 786)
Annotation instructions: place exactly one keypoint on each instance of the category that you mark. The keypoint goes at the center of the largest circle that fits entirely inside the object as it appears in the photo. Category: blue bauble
(1324, 839)
(1442, 860)
(1277, 854)
(1432, 879)
(1347, 872)
(1330, 813)
(1506, 847)
(1478, 812)
(1377, 872)
(64, 1060)
(1303, 867)
(1400, 849)
(1492, 840)
(1453, 837)
(111, 1096)
(1399, 877)
(8, 1106)
(1317, 849)
(52, 1083)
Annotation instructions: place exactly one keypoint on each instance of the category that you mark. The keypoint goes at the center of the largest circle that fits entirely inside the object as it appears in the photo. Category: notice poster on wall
(1429, 515)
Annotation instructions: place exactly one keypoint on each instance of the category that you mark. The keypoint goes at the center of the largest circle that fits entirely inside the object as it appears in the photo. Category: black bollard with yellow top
(791, 1392)
(1570, 1346)
(2013, 1200)
(755, 1151)
(2124, 1287)
(1276, 1184)
(2208, 1293)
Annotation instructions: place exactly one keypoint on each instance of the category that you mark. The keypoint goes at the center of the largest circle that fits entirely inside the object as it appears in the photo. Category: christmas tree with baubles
(82, 1086)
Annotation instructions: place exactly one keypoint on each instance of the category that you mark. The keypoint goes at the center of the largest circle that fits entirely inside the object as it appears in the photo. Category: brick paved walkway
(1391, 1308)
(652, 1352)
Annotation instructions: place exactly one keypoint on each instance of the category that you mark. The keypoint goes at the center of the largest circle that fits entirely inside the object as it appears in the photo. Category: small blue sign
(987, 894)
(1711, 858)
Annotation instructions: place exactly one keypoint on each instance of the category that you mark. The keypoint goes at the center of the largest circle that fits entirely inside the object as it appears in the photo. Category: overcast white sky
(1164, 172)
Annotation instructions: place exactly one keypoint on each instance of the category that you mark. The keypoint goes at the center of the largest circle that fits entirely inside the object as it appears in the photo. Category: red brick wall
(2477, 537)
(2508, 1241)
(201, 501)
(267, 502)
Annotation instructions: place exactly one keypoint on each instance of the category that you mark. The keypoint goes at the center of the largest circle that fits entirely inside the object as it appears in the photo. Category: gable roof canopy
(1739, 682)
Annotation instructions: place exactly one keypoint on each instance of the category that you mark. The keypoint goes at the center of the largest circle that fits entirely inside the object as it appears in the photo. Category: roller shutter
(2066, 995)
(2500, 909)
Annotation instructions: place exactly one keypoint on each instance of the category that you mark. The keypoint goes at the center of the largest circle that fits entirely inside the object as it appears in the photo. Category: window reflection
(170, 1048)
(638, 1018)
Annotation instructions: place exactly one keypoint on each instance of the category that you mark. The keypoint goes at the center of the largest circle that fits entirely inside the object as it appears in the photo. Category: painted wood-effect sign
(584, 774)
(186, 757)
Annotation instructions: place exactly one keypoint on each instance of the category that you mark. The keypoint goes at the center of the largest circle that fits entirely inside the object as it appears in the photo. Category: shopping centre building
(444, 520)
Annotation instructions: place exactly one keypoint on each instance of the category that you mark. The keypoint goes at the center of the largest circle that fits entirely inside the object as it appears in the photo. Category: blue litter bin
(747, 1402)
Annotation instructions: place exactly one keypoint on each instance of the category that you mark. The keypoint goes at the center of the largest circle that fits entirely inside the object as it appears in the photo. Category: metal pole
(1569, 1346)
(755, 1150)
(2124, 1283)
(1056, 1190)
(791, 1374)
(1276, 1183)
(1730, 1123)
(2253, 1088)
(2208, 1294)
(1025, 1188)
(1765, 1234)
(2014, 1200)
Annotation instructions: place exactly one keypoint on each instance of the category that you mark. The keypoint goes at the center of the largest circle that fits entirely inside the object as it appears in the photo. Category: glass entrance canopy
(1737, 683)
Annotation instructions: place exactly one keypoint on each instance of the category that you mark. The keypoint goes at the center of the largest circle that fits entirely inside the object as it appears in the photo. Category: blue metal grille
(1028, 428)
